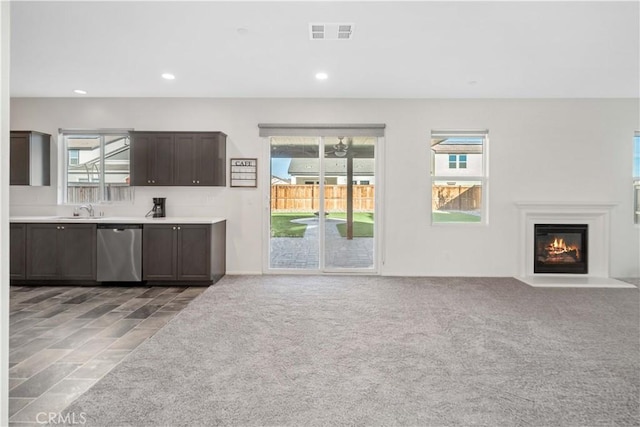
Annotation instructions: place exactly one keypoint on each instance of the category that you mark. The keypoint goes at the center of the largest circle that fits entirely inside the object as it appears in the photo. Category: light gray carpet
(353, 350)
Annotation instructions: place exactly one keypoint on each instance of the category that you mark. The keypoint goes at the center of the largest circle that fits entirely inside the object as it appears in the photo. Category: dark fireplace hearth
(561, 249)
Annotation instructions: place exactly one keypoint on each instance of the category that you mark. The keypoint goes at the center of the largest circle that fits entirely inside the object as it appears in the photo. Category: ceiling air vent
(340, 31)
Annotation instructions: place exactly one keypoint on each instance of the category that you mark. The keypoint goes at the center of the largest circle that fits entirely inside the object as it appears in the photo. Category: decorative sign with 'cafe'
(244, 172)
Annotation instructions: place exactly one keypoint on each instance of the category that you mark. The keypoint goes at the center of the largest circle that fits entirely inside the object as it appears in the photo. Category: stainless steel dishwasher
(119, 252)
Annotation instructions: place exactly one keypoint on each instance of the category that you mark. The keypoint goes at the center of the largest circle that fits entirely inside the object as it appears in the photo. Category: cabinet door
(151, 158)
(17, 251)
(194, 252)
(211, 163)
(19, 156)
(185, 154)
(162, 160)
(141, 144)
(207, 163)
(159, 252)
(42, 252)
(220, 178)
(78, 251)
(30, 158)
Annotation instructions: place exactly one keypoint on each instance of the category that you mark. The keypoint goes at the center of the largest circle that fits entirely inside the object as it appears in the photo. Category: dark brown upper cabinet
(30, 156)
(178, 158)
(152, 155)
(200, 159)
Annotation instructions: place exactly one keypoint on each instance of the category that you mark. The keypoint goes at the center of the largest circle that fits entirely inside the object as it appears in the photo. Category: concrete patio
(303, 253)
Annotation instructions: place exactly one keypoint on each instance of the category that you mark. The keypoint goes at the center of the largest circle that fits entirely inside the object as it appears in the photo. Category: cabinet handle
(62, 228)
(148, 181)
(193, 182)
(198, 182)
(58, 228)
(178, 228)
(174, 228)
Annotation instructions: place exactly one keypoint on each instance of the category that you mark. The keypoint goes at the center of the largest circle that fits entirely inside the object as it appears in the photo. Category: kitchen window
(97, 169)
(458, 176)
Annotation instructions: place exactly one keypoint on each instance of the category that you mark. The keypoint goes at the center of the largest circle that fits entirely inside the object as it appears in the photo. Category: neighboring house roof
(278, 180)
(457, 149)
(457, 146)
(332, 167)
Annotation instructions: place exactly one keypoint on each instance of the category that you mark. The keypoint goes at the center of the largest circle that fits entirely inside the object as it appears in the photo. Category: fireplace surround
(595, 215)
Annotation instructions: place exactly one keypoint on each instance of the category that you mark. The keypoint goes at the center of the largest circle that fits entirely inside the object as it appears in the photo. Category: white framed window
(459, 176)
(457, 161)
(97, 167)
(636, 177)
(74, 157)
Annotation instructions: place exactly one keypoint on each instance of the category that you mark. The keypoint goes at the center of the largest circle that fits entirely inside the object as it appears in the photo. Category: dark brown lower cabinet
(60, 252)
(17, 241)
(183, 252)
(170, 252)
(194, 252)
(159, 252)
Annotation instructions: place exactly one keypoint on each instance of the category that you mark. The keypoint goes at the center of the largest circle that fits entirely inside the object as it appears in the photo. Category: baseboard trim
(243, 273)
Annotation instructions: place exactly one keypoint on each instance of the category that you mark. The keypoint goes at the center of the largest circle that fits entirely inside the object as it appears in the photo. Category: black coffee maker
(158, 207)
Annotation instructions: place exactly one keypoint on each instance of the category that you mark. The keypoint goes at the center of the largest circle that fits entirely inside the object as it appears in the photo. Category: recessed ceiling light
(322, 76)
(168, 76)
(80, 91)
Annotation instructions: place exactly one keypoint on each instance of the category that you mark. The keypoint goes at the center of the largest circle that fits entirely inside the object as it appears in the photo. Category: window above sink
(96, 166)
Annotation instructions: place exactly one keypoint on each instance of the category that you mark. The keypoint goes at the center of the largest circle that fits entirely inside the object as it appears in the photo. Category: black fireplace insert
(561, 249)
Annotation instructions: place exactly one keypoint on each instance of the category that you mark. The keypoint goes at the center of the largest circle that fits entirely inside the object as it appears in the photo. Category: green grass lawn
(454, 217)
(363, 224)
(281, 225)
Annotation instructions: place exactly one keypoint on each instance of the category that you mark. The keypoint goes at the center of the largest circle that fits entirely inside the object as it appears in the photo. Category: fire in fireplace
(561, 249)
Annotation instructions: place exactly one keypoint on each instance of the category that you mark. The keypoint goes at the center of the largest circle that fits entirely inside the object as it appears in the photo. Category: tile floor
(63, 339)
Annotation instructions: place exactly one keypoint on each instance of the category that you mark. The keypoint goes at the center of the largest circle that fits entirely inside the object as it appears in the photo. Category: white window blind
(327, 129)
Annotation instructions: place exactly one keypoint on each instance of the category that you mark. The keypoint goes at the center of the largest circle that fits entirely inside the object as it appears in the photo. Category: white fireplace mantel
(595, 214)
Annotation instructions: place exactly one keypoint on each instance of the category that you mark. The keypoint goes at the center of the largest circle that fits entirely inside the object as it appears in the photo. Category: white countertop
(116, 220)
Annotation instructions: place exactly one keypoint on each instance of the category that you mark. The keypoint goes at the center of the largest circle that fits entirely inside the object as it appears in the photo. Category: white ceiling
(398, 50)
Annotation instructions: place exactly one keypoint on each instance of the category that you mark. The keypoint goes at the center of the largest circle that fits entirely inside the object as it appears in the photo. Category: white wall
(4, 211)
(539, 150)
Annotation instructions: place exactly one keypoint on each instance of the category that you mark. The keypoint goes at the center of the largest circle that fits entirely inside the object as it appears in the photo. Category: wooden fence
(90, 193)
(305, 198)
(456, 198)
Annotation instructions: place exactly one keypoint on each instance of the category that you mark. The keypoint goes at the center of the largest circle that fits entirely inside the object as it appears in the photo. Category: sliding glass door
(295, 203)
(322, 204)
(349, 201)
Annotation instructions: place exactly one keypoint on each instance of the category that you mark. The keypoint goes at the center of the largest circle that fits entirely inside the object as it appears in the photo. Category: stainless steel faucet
(88, 208)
